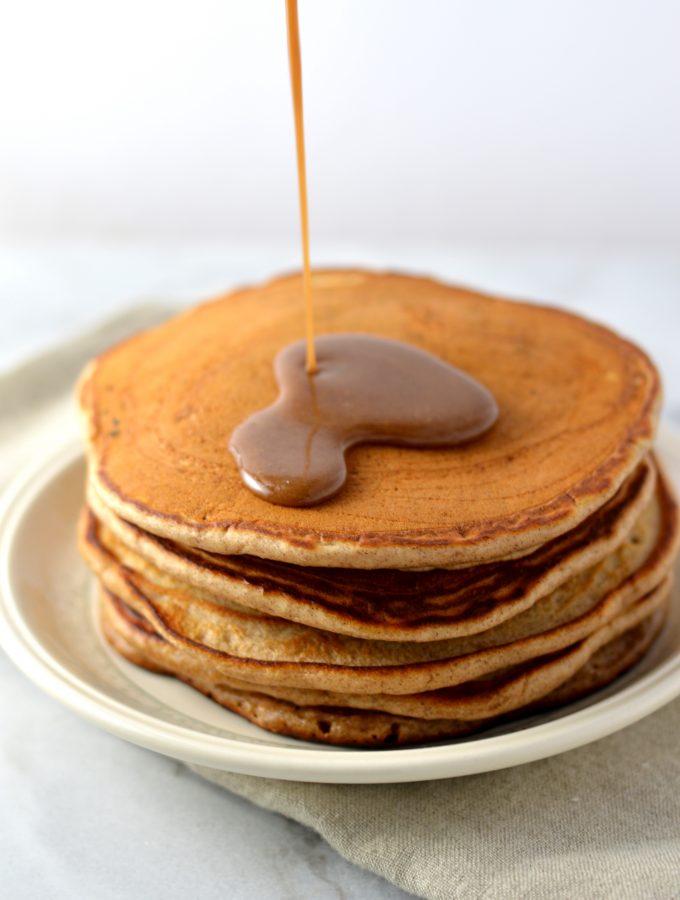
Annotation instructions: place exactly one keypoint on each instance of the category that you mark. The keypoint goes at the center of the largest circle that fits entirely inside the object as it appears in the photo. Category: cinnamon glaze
(341, 390)
(365, 389)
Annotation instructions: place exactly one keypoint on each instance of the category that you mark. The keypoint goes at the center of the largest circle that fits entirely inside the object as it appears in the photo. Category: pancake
(236, 644)
(134, 640)
(384, 604)
(441, 591)
(578, 409)
(503, 691)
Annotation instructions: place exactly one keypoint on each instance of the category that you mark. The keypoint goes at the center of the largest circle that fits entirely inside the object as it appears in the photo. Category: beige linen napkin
(599, 822)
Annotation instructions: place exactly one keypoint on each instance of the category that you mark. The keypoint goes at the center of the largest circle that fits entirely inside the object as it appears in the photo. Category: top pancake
(578, 407)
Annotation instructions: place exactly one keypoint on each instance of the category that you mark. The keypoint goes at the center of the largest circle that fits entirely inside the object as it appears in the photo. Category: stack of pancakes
(441, 590)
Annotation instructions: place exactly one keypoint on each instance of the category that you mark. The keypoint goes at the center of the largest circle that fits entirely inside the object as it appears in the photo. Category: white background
(490, 120)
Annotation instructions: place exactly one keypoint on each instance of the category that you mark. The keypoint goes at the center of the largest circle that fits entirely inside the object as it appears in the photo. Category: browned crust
(407, 677)
(373, 729)
(394, 605)
(495, 693)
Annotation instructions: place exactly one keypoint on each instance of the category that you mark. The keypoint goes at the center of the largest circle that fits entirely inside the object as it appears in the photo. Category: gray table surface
(86, 815)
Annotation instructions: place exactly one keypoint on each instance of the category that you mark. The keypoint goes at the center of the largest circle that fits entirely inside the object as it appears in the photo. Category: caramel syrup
(360, 389)
(365, 389)
(296, 88)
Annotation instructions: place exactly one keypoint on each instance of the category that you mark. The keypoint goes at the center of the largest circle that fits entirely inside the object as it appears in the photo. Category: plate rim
(287, 762)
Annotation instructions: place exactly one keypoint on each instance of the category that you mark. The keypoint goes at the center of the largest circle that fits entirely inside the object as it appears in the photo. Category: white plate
(48, 628)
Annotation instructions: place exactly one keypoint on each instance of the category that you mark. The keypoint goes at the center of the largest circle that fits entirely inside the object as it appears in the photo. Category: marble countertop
(87, 815)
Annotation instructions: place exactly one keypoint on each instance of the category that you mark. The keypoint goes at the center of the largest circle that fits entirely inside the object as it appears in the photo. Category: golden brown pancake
(442, 590)
(233, 645)
(578, 408)
(386, 604)
(136, 641)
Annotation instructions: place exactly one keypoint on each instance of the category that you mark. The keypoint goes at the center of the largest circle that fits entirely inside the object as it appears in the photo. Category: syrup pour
(296, 88)
(360, 389)
(366, 389)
